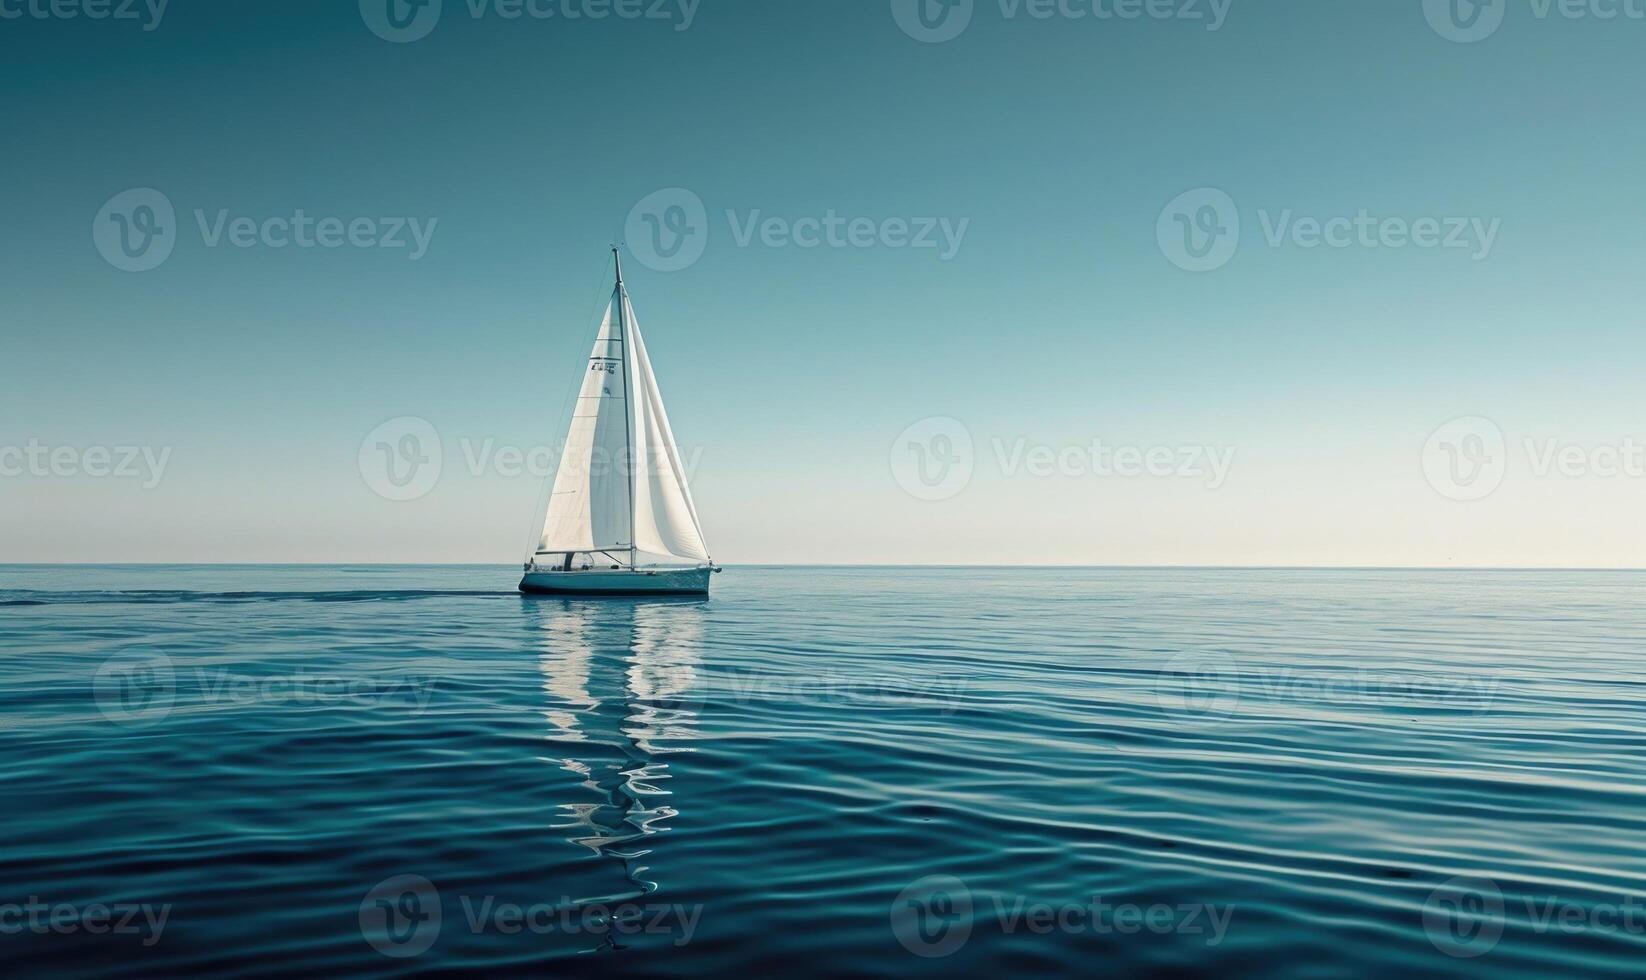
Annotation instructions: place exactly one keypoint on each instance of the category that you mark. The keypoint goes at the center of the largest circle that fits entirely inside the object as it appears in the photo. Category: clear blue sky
(792, 371)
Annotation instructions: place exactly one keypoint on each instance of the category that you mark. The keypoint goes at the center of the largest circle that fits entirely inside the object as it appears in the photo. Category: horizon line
(914, 565)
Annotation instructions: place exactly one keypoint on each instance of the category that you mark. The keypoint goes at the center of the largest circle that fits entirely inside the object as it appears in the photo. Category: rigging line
(621, 301)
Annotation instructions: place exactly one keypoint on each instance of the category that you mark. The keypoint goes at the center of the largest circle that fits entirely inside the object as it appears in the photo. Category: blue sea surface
(823, 772)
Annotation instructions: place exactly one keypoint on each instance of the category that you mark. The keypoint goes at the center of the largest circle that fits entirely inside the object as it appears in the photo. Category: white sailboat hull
(618, 581)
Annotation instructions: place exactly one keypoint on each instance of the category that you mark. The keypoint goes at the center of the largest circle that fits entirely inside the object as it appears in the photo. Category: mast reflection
(620, 679)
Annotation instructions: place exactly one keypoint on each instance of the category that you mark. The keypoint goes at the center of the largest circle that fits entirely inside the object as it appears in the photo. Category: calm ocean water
(254, 770)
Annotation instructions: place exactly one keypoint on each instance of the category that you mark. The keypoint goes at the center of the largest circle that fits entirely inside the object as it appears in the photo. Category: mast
(628, 406)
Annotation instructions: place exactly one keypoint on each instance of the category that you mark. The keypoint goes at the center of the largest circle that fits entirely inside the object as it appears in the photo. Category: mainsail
(589, 507)
(621, 485)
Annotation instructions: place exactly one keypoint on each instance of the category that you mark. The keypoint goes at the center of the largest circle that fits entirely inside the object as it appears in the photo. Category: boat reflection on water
(621, 678)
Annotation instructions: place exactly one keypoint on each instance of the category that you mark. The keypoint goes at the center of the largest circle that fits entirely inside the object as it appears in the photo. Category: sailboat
(620, 491)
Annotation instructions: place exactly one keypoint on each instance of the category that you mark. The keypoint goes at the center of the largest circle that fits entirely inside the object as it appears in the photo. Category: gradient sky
(793, 371)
